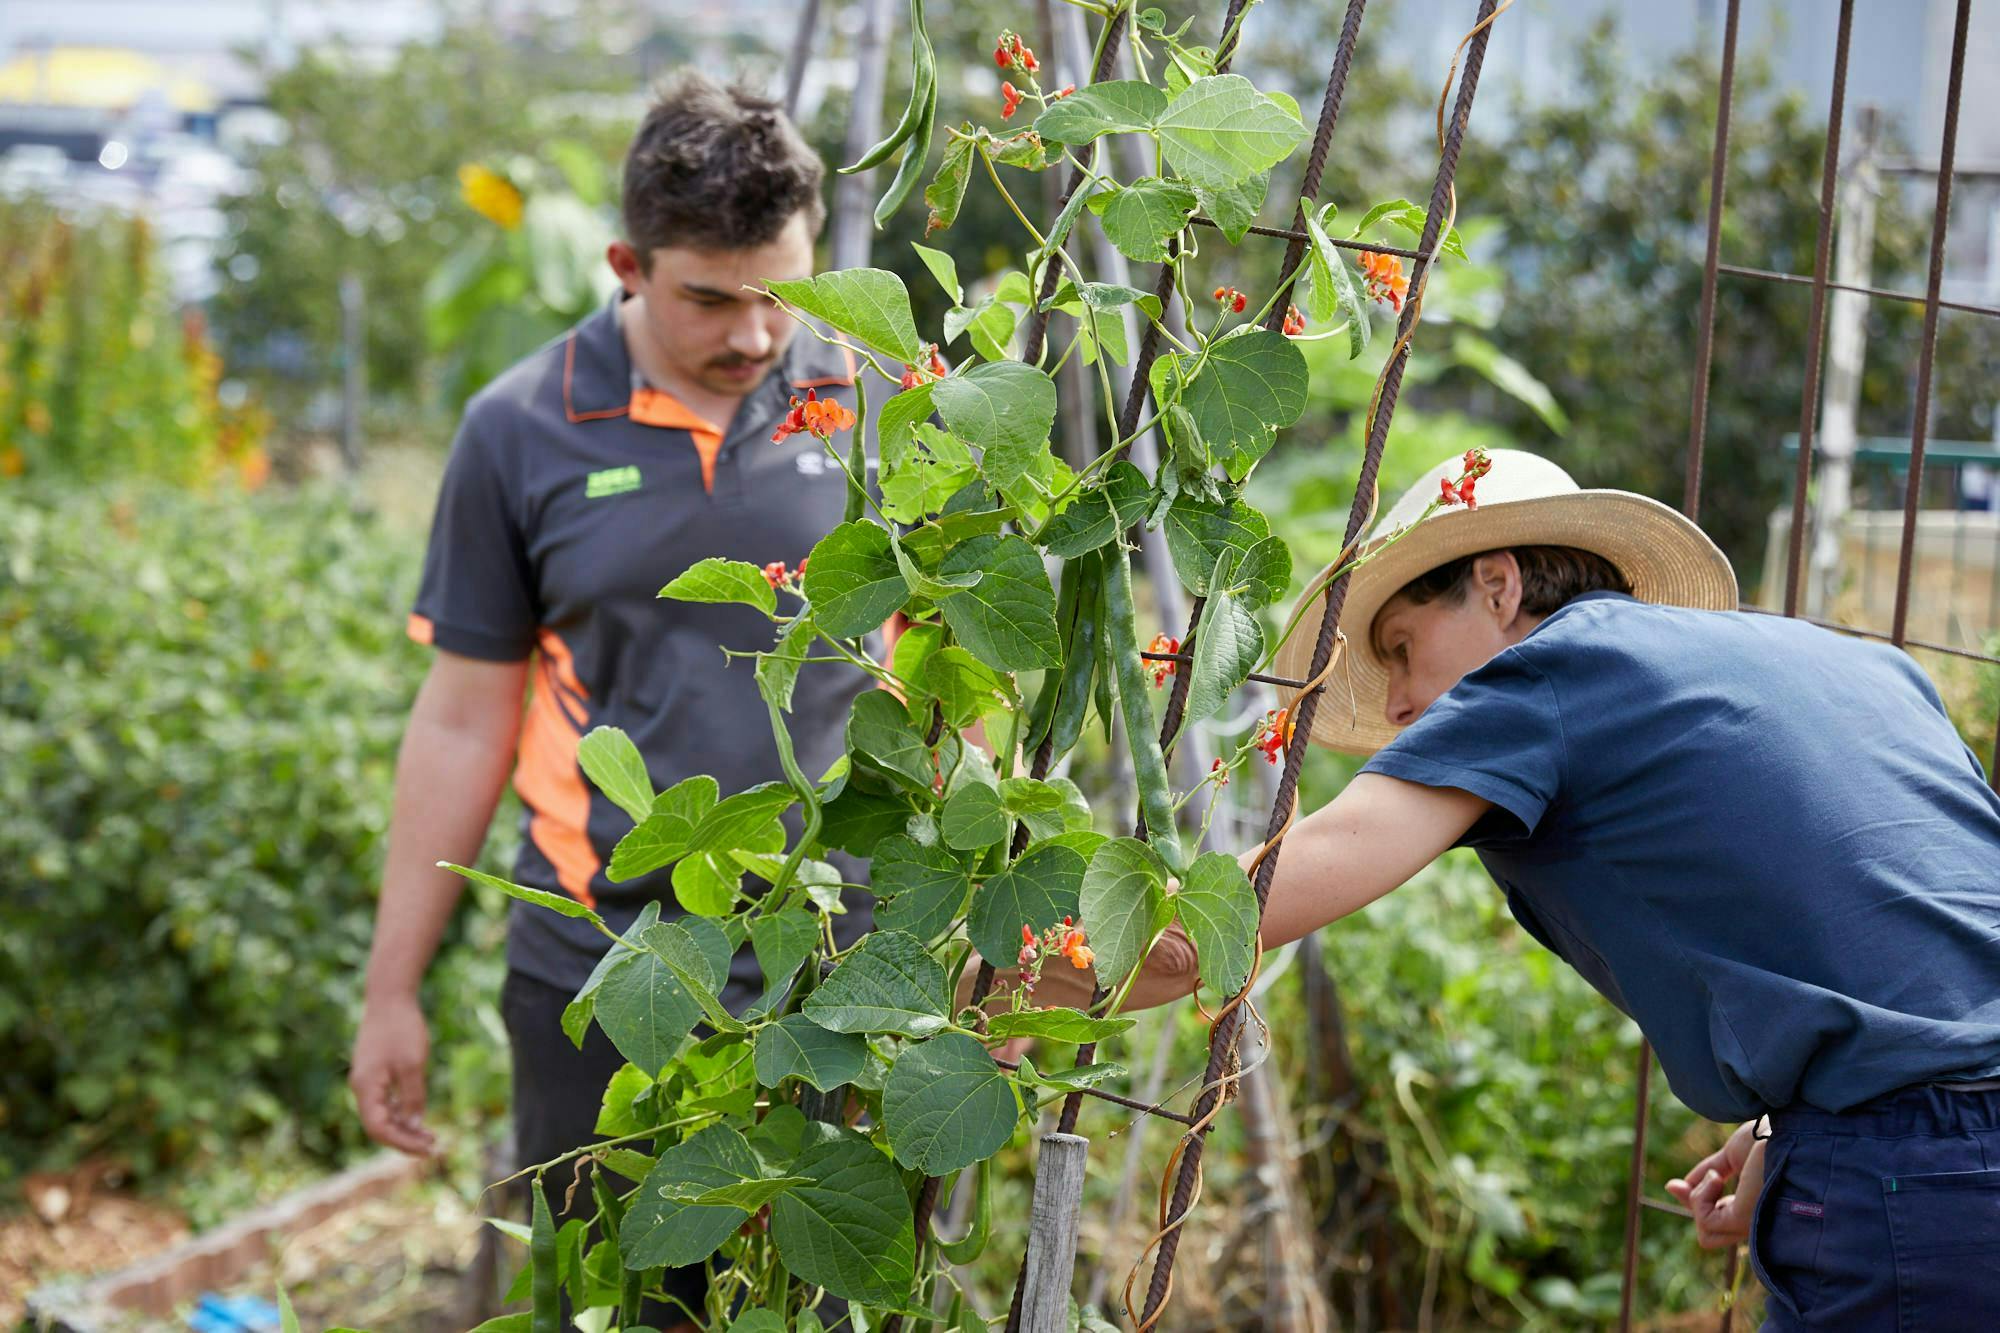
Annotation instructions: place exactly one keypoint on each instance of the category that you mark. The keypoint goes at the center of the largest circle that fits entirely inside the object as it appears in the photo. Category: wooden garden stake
(1052, 1233)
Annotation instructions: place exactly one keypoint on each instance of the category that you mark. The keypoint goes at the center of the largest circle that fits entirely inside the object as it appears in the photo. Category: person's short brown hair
(1550, 577)
(716, 168)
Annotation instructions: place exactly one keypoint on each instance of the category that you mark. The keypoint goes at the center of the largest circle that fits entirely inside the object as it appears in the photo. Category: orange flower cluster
(1010, 52)
(1295, 323)
(1386, 280)
(814, 415)
(777, 575)
(936, 370)
(1476, 465)
(1230, 297)
(1274, 733)
(1164, 643)
(1065, 939)
(1010, 101)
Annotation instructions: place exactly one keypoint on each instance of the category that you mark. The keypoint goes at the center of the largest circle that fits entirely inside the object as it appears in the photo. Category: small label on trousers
(1805, 1209)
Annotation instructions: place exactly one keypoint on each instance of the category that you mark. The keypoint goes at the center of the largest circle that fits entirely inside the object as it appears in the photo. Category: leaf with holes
(645, 1011)
(1221, 131)
(852, 580)
(890, 983)
(946, 1105)
(870, 303)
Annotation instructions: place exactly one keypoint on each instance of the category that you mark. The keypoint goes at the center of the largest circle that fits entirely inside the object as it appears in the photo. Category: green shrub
(200, 702)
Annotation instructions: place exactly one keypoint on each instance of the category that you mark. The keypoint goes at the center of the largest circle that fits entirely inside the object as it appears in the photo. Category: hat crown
(1516, 475)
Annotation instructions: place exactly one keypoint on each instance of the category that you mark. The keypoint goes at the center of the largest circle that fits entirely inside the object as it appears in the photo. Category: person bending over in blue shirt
(1761, 840)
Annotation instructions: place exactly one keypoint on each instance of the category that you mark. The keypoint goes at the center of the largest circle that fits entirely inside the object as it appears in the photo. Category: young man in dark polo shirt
(582, 480)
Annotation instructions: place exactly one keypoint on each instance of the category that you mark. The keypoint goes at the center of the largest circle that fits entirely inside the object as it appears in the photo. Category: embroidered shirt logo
(1799, 1208)
(610, 481)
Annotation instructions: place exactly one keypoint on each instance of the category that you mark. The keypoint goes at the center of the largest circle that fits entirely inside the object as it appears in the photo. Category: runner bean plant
(1012, 572)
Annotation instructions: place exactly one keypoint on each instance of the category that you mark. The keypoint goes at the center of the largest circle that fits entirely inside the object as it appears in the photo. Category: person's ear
(624, 261)
(1496, 586)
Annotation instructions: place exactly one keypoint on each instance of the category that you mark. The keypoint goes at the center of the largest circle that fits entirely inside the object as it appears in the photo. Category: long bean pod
(1149, 766)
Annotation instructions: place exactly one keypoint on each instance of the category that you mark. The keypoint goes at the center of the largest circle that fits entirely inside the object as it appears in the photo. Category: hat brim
(1662, 554)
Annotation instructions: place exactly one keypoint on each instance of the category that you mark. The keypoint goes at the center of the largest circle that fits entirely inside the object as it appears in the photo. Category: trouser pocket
(1945, 1233)
(1785, 1237)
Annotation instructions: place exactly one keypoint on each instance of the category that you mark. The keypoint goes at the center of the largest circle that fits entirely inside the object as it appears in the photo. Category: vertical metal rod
(1927, 353)
(1222, 1039)
(1705, 335)
(1635, 1183)
(1329, 113)
(1816, 321)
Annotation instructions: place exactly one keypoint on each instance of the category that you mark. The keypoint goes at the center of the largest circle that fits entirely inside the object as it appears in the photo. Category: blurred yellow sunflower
(490, 194)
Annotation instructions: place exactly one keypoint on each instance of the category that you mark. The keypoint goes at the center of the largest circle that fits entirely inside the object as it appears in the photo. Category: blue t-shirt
(1760, 839)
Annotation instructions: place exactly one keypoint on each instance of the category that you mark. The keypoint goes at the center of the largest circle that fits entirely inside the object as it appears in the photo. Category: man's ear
(1496, 586)
(624, 261)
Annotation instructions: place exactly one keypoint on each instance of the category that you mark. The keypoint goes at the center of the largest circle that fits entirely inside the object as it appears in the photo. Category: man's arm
(1368, 840)
(449, 773)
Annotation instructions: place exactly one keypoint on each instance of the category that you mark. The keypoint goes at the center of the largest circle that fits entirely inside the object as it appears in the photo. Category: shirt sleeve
(477, 594)
(1497, 734)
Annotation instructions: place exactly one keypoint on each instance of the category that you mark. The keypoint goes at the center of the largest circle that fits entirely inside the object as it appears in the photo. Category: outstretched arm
(1368, 840)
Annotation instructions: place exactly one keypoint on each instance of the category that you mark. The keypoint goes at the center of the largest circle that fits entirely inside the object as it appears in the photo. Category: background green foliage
(200, 701)
(101, 376)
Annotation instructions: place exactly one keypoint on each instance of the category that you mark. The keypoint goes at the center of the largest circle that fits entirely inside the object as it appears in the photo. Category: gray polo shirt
(570, 498)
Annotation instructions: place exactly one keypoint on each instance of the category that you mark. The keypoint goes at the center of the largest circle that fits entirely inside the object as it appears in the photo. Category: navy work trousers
(1883, 1217)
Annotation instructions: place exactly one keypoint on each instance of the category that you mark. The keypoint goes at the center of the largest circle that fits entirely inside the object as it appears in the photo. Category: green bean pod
(1042, 712)
(857, 455)
(1149, 766)
(914, 157)
(1081, 665)
(923, 86)
(546, 1284)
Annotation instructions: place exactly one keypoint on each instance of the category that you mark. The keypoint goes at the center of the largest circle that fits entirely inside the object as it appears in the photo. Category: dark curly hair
(1550, 576)
(716, 168)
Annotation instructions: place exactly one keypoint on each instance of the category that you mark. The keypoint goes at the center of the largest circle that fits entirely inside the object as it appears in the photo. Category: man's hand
(1723, 1220)
(391, 1059)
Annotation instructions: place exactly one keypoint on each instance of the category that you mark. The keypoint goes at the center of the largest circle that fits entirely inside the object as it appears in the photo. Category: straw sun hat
(1524, 501)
